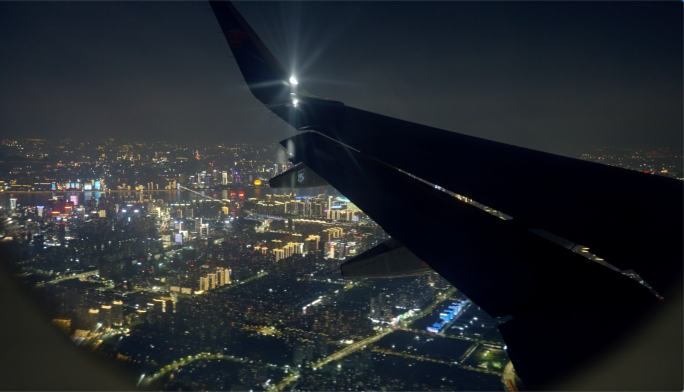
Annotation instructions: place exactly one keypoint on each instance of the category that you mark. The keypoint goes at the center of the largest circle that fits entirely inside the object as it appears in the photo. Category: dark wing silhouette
(509, 267)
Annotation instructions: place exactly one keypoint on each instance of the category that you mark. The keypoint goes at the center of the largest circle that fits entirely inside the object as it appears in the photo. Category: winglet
(265, 76)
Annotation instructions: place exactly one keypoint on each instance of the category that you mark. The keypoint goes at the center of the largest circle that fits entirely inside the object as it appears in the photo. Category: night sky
(558, 76)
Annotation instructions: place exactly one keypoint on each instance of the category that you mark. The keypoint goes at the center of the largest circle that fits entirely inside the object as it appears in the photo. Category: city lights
(232, 262)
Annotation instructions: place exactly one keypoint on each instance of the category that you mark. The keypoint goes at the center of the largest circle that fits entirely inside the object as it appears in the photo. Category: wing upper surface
(503, 267)
(611, 210)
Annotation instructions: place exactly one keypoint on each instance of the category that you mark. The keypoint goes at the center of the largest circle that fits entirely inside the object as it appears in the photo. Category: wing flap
(389, 259)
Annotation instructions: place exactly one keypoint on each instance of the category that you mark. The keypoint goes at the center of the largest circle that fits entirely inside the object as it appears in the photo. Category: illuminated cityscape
(181, 264)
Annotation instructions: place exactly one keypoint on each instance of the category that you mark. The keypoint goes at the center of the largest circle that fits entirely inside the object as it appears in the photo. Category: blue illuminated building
(453, 311)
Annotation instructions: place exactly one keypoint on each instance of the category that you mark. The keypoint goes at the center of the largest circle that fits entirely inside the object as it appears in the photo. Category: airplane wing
(395, 171)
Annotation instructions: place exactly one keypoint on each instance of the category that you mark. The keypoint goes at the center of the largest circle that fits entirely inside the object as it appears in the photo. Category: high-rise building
(321, 346)
(117, 313)
(224, 178)
(334, 232)
(311, 243)
(329, 207)
(93, 318)
(223, 276)
(307, 206)
(169, 308)
(142, 315)
(106, 316)
(381, 307)
(309, 351)
(297, 354)
(157, 312)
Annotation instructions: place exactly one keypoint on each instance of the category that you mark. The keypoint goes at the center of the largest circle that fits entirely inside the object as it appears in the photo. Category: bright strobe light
(293, 81)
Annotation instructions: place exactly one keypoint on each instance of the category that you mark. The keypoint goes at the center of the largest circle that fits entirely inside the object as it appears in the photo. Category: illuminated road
(326, 280)
(197, 193)
(237, 283)
(473, 368)
(334, 357)
(470, 339)
(146, 380)
(470, 351)
(67, 277)
(285, 382)
(350, 349)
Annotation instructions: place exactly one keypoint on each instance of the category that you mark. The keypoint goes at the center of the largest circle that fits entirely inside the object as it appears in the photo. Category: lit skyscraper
(329, 206)
(106, 316)
(93, 318)
(117, 313)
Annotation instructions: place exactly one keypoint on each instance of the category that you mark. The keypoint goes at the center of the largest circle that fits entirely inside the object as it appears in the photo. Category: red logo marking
(235, 37)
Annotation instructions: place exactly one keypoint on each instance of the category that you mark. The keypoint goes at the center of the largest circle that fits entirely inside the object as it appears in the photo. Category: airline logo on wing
(235, 37)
